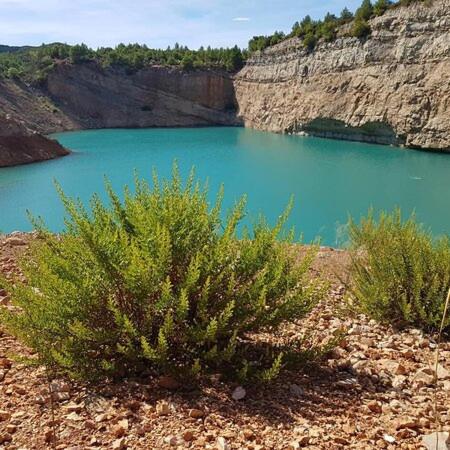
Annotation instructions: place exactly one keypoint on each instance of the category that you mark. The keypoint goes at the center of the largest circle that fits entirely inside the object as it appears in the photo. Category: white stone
(222, 444)
(436, 441)
(388, 438)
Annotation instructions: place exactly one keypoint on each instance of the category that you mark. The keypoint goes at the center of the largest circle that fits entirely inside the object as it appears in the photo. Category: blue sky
(155, 23)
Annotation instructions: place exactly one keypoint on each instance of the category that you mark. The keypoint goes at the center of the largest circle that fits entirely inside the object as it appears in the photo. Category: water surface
(329, 179)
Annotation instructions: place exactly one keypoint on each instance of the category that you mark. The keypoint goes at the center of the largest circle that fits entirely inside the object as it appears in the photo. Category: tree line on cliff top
(311, 31)
(34, 64)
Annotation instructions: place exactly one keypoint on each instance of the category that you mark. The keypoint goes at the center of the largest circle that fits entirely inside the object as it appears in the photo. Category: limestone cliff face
(93, 97)
(18, 145)
(392, 88)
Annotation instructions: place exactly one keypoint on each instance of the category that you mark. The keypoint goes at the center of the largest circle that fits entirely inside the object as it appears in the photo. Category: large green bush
(401, 274)
(159, 282)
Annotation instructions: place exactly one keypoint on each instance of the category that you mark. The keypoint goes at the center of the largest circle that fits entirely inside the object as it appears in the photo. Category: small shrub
(360, 28)
(159, 282)
(309, 41)
(401, 275)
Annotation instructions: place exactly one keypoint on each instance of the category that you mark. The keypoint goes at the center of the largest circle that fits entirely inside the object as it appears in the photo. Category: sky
(219, 23)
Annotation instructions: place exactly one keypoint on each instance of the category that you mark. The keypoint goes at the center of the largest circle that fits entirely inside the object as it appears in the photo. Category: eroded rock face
(18, 145)
(89, 96)
(392, 88)
(93, 97)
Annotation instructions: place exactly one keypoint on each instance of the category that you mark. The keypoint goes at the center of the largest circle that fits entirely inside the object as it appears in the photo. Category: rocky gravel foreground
(374, 391)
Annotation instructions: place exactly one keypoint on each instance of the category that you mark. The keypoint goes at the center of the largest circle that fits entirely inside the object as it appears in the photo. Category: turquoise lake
(329, 179)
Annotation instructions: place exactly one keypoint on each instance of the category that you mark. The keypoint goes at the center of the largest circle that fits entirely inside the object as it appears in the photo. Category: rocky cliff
(93, 97)
(18, 145)
(89, 96)
(392, 88)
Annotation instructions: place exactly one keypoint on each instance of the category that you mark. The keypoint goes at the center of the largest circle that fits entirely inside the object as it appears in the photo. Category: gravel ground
(374, 391)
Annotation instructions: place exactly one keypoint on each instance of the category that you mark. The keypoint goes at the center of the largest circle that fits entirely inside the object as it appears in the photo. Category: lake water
(329, 179)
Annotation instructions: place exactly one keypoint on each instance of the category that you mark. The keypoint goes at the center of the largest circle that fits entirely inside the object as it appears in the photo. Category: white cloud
(241, 19)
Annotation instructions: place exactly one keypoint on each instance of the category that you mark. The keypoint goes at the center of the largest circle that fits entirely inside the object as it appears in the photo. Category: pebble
(171, 440)
(188, 436)
(120, 428)
(162, 408)
(239, 393)
(5, 437)
(4, 415)
(375, 406)
(168, 382)
(119, 444)
(296, 390)
(222, 444)
(248, 434)
(196, 413)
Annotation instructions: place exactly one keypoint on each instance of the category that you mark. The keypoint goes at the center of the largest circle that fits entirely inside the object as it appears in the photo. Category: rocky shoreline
(375, 390)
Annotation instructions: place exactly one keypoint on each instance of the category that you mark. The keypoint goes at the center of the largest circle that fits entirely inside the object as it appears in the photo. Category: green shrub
(360, 28)
(381, 6)
(401, 275)
(309, 41)
(159, 282)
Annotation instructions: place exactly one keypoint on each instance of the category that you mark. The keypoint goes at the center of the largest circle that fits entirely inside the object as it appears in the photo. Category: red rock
(120, 428)
(374, 407)
(168, 382)
(4, 415)
(406, 422)
(5, 437)
(248, 434)
(196, 413)
(188, 436)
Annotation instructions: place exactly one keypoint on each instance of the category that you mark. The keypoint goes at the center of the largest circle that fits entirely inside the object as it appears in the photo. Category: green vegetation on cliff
(33, 64)
(311, 31)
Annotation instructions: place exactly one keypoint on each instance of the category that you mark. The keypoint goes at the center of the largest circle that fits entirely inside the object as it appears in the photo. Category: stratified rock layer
(391, 88)
(93, 97)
